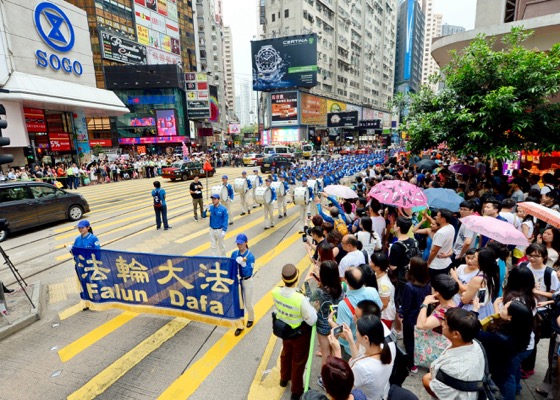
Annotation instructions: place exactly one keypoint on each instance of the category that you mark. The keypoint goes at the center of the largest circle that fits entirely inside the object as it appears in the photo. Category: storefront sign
(156, 57)
(340, 119)
(122, 50)
(196, 86)
(101, 142)
(34, 119)
(59, 141)
(155, 140)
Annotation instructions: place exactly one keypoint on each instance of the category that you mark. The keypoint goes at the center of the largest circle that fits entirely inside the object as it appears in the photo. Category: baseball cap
(244, 173)
(268, 180)
(84, 223)
(255, 170)
(241, 238)
(304, 179)
(215, 196)
(224, 177)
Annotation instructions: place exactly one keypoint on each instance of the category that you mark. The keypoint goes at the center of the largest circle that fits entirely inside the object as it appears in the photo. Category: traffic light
(29, 154)
(4, 141)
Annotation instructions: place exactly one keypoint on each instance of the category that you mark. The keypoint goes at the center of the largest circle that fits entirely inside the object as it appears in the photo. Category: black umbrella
(429, 165)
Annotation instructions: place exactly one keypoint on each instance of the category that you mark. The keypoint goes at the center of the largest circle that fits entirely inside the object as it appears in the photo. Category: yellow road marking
(186, 384)
(67, 313)
(94, 336)
(267, 387)
(102, 381)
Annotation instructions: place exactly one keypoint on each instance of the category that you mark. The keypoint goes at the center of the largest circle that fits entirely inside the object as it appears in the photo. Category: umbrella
(398, 193)
(443, 198)
(541, 212)
(500, 231)
(428, 165)
(341, 191)
(185, 150)
(463, 169)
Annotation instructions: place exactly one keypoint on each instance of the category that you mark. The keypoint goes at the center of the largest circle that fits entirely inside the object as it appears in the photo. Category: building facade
(432, 29)
(229, 73)
(447, 29)
(410, 47)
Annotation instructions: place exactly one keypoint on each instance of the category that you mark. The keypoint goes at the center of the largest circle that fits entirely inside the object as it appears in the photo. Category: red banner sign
(59, 141)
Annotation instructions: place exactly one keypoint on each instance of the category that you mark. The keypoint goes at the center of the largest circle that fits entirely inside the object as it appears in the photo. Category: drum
(240, 185)
(279, 187)
(263, 195)
(254, 180)
(313, 185)
(301, 196)
(320, 184)
(221, 191)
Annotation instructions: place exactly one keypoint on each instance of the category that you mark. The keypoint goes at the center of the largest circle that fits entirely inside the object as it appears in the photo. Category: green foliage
(494, 102)
(97, 149)
(249, 129)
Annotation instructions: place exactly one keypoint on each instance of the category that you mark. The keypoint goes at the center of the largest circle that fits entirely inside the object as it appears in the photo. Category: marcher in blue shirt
(218, 226)
(245, 262)
(231, 195)
(160, 206)
(269, 207)
(86, 240)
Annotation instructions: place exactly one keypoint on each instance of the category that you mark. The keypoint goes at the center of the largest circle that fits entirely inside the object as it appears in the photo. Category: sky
(241, 15)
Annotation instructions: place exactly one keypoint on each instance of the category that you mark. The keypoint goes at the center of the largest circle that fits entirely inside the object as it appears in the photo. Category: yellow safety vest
(288, 308)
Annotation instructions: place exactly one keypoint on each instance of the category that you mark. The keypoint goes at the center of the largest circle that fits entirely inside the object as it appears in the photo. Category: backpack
(157, 200)
(545, 319)
(411, 251)
(341, 226)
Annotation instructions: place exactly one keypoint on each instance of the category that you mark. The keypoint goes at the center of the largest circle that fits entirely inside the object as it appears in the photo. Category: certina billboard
(286, 62)
(54, 35)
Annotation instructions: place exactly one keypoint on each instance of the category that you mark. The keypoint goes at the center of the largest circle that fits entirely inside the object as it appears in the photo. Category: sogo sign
(54, 27)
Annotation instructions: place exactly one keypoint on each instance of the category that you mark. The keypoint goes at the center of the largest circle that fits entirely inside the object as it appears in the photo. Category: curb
(26, 320)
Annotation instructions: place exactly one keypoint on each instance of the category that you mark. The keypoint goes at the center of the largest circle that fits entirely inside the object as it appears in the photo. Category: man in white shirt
(439, 261)
(354, 257)
(508, 213)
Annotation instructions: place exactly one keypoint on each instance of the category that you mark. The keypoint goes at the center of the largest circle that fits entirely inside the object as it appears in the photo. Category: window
(14, 194)
(45, 192)
(273, 17)
(286, 13)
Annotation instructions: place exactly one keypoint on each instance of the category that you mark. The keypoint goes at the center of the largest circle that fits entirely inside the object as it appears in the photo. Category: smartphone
(314, 275)
(304, 238)
(337, 330)
(481, 295)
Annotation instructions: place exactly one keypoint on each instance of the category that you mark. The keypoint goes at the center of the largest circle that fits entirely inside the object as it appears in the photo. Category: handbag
(283, 330)
(543, 322)
(428, 346)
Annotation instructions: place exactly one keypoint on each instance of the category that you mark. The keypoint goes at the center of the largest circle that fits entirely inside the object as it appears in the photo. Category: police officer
(294, 309)
(231, 195)
(86, 239)
(257, 181)
(218, 226)
(245, 262)
(243, 195)
(282, 207)
(269, 207)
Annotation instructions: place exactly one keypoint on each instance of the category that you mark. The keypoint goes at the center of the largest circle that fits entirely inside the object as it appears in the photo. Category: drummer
(243, 195)
(257, 181)
(274, 175)
(304, 210)
(229, 199)
(282, 206)
(269, 207)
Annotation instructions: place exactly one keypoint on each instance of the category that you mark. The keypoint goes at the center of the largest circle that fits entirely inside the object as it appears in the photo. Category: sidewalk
(20, 312)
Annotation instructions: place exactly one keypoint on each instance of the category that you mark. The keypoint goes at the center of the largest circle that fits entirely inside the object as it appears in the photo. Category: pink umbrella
(500, 231)
(398, 193)
(185, 150)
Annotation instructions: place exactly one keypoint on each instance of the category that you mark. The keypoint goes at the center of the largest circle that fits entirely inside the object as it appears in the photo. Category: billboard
(214, 105)
(119, 49)
(313, 110)
(341, 119)
(335, 106)
(234, 129)
(284, 108)
(166, 123)
(198, 104)
(409, 38)
(285, 62)
(284, 135)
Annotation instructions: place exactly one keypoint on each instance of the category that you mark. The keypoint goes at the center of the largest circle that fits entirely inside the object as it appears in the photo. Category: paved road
(78, 354)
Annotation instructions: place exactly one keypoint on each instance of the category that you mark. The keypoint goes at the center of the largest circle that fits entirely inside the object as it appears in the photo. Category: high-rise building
(410, 45)
(432, 29)
(247, 104)
(229, 71)
(356, 42)
(447, 30)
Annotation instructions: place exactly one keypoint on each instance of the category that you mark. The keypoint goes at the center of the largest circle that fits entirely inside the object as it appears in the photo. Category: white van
(276, 150)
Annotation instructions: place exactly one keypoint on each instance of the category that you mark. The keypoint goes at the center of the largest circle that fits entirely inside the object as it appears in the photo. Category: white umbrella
(341, 191)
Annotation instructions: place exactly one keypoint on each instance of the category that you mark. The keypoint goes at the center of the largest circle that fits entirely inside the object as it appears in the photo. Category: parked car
(252, 159)
(30, 204)
(185, 170)
(276, 161)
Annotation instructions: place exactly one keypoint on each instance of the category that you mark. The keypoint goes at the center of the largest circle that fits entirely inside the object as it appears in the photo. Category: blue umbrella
(443, 198)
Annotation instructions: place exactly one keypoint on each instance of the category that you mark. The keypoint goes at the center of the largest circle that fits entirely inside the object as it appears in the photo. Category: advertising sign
(409, 40)
(234, 129)
(156, 56)
(34, 119)
(313, 110)
(143, 34)
(119, 49)
(284, 135)
(371, 124)
(148, 140)
(59, 141)
(166, 123)
(214, 105)
(335, 106)
(342, 119)
(80, 128)
(196, 86)
(285, 62)
(284, 108)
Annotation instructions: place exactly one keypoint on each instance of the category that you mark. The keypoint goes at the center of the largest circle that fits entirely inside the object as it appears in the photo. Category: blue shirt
(229, 191)
(345, 316)
(247, 270)
(218, 217)
(161, 193)
(249, 186)
(90, 241)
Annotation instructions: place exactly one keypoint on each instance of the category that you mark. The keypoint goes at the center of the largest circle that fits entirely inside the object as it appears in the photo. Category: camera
(306, 231)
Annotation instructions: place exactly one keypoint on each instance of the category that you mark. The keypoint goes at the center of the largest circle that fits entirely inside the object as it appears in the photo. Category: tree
(494, 101)
(249, 128)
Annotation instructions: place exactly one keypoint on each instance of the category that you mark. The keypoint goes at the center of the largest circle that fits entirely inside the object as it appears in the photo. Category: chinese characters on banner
(205, 289)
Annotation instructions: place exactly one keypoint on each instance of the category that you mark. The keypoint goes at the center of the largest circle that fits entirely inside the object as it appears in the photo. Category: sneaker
(254, 206)
(285, 215)
(414, 370)
(527, 374)
(231, 223)
(249, 212)
(279, 216)
(167, 228)
(242, 213)
(320, 383)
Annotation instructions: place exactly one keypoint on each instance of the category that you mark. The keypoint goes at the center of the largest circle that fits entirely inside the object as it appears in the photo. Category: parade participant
(304, 212)
(282, 206)
(269, 207)
(257, 182)
(296, 315)
(196, 194)
(229, 200)
(86, 239)
(243, 195)
(160, 206)
(246, 262)
(218, 226)
(274, 175)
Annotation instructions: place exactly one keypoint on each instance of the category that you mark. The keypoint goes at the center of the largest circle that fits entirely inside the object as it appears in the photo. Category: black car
(276, 161)
(185, 170)
(30, 204)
